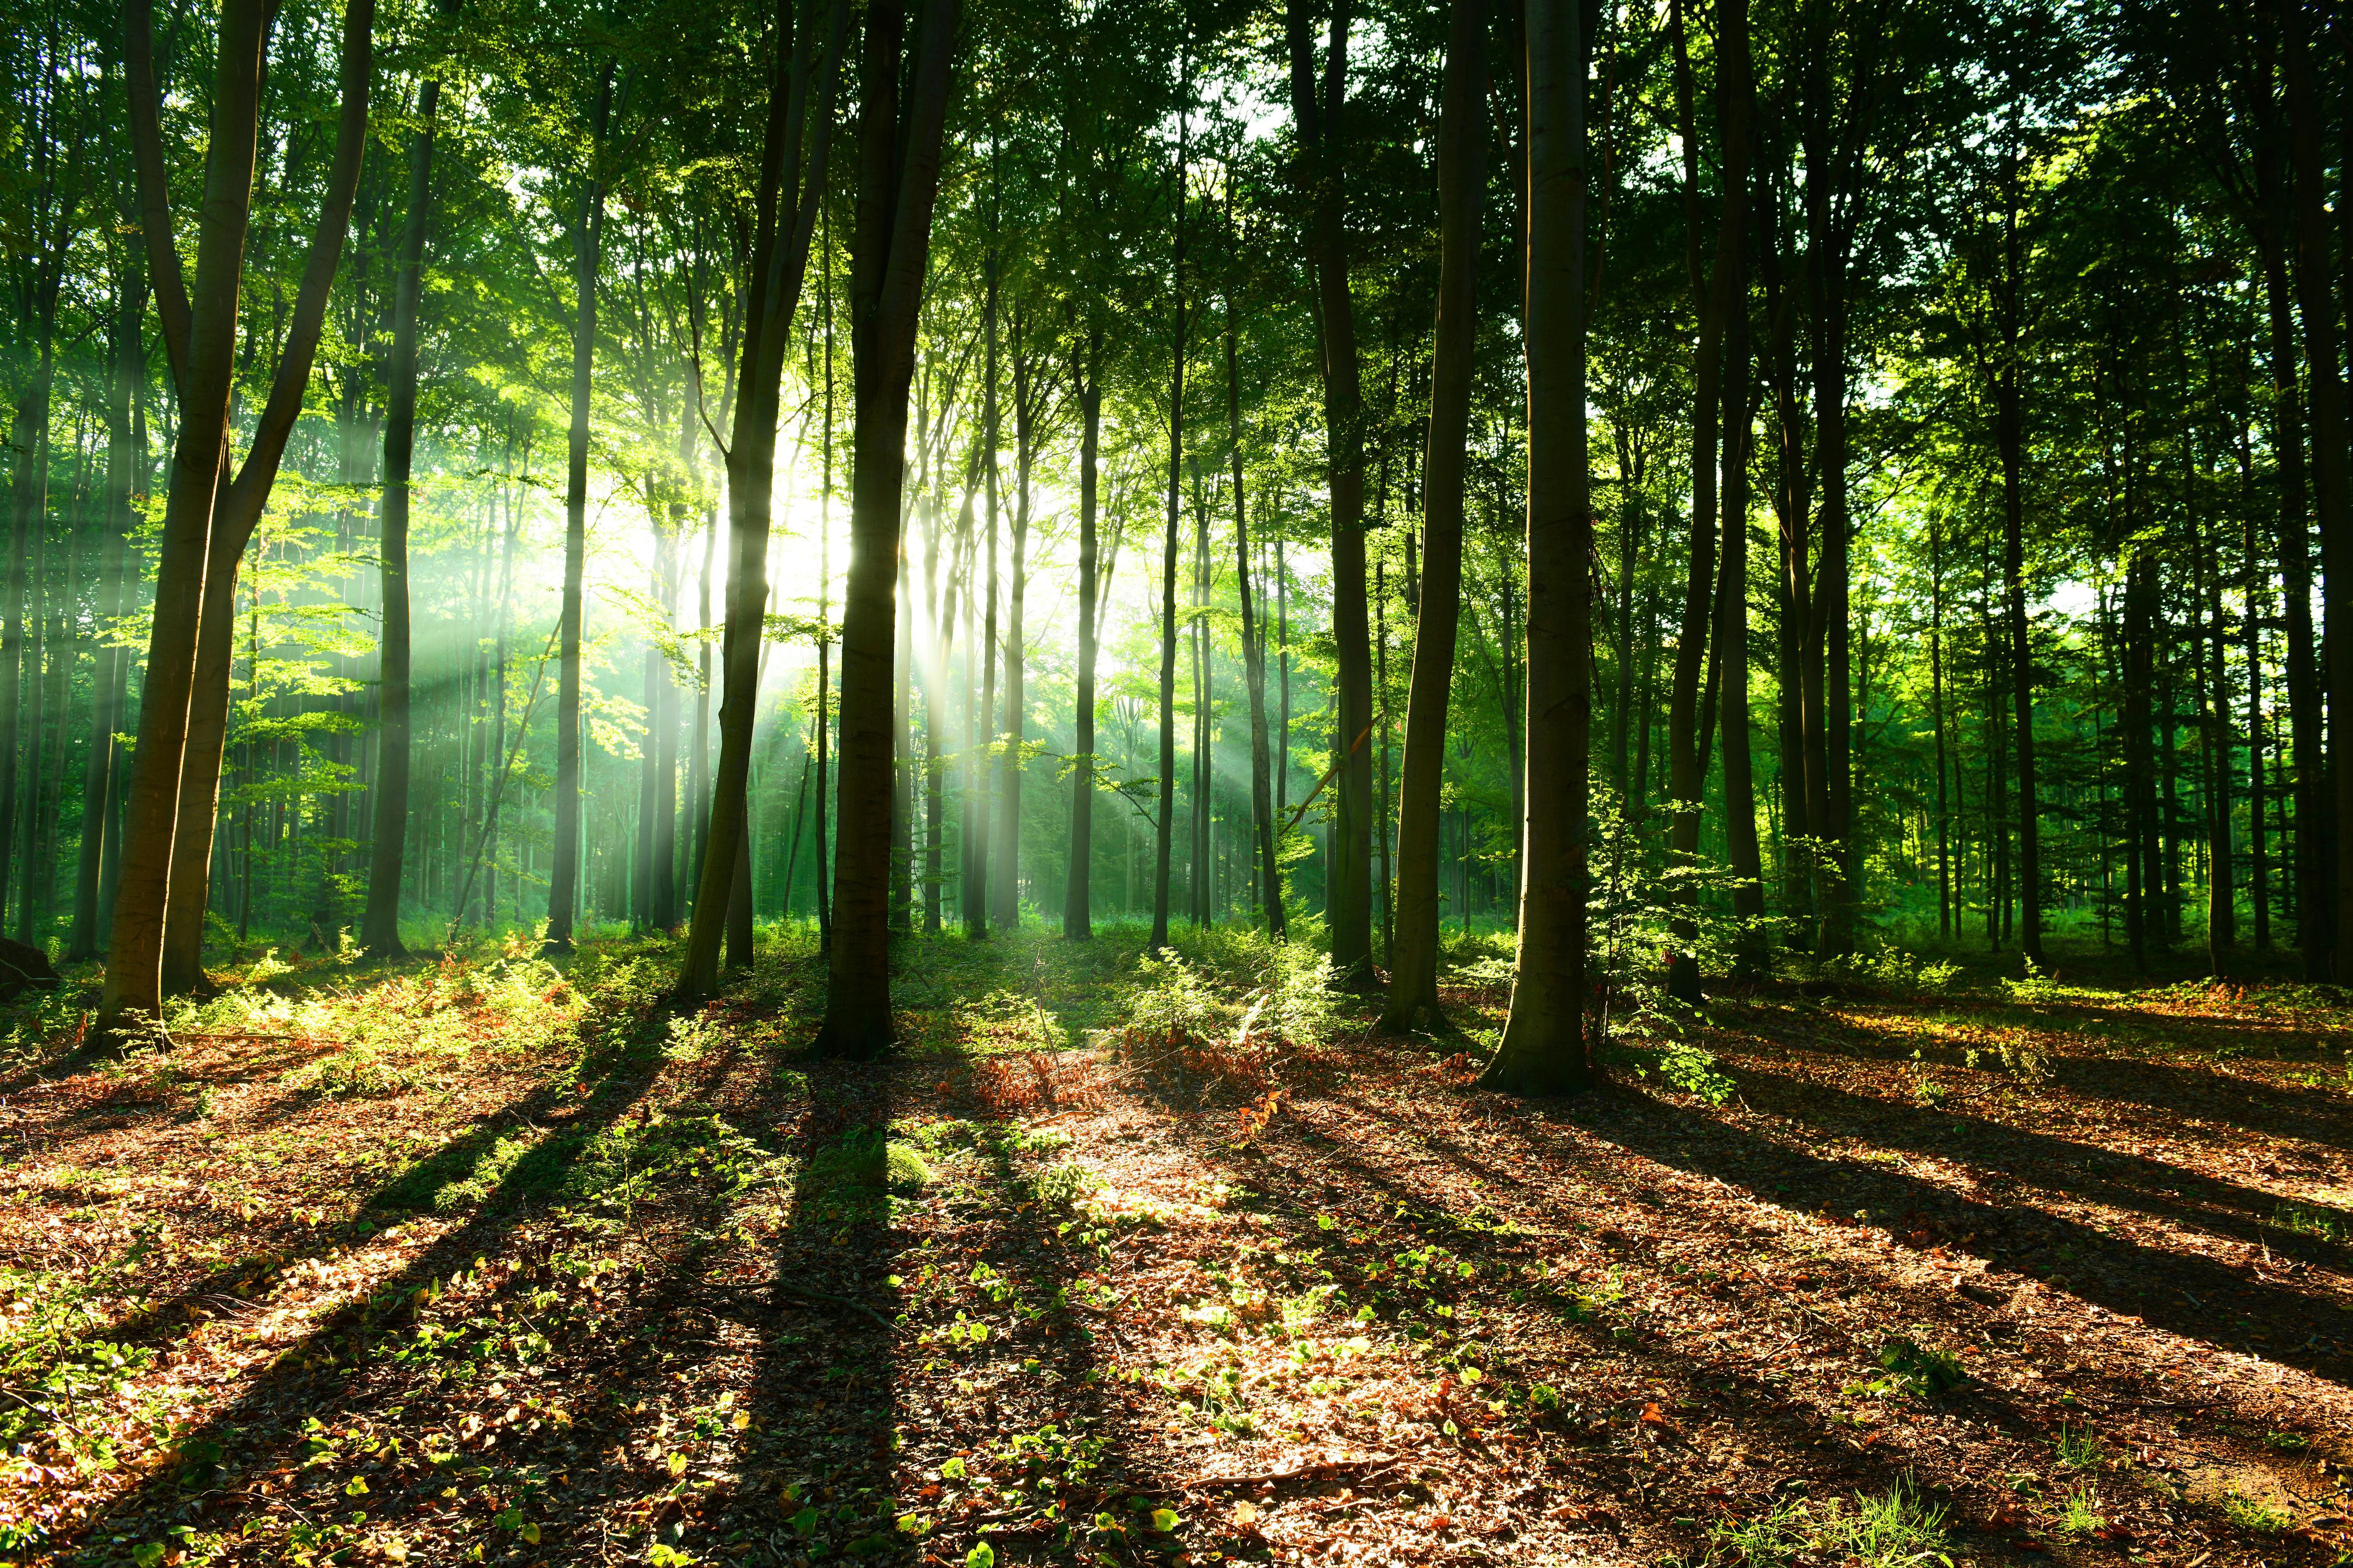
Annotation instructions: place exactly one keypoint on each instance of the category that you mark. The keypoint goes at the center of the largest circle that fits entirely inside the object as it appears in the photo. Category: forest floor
(487, 1261)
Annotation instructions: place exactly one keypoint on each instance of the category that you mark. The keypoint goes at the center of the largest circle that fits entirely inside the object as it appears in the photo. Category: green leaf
(805, 1521)
(981, 1556)
(147, 1553)
(1163, 1520)
(529, 1532)
(355, 1486)
(953, 1470)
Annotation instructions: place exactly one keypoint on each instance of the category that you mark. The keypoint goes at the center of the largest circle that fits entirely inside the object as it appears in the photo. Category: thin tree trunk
(982, 827)
(380, 922)
(794, 173)
(2316, 306)
(1686, 772)
(1165, 826)
(587, 241)
(1079, 881)
(1267, 871)
(2011, 434)
(1006, 883)
(1413, 979)
(1732, 96)
(103, 760)
(1323, 159)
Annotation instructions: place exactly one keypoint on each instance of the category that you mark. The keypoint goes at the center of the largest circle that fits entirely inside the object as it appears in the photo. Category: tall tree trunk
(2316, 303)
(1267, 871)
(792, 185)
(982, 825)
(1323, 159)
(1011, 762)
(1713, 292)
(2009, 433)
(1079, 881)
(104, 759)
(2251, 588)
(203, 366)
(587, 243)
(1164, 827)
(1461, 176)
(1545, 1047)
(698, 764)
(897, 182)
(902, 843)
(1734, 102)
(380, 921)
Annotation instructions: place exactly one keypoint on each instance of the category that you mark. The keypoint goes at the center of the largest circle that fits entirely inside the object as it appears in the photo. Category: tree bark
(104, 757)
(1461, 176)
(1734, 99)
(897, 183)
(1078, 882)
(1164, 827)
(2009, 433)
(2316, 306)
(1348, 894)
(1268, 870)
(133, 998)
(1545, 1047)
(587, 242)
(380, 920)
(1686, 771)
(800, 109)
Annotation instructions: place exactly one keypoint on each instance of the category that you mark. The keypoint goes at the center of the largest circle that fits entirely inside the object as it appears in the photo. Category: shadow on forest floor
(505, 1261)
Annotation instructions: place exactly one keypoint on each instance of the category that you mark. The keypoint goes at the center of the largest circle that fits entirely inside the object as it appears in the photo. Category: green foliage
(2080, 1447)
(1896, 1528)
(2078, 1514)
(2259, 1514)
(1921, 1372)
(1888, 966)
(1172, 1003)
(2039, 987)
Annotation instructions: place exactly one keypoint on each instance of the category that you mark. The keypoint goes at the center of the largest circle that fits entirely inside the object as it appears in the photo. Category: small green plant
(2037, 987)
(1173, 1006)
(2077, 1515)
(1063, 1183)
(903, 1169)
(2080, 1447)
(2315, 1223)
(2261, 1515)
(2286, 1442)
(1692, 1070)
(1909, 1367)
(1894, 1529)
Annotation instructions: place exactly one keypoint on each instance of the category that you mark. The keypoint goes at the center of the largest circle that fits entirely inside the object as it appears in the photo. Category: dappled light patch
(656, 1287)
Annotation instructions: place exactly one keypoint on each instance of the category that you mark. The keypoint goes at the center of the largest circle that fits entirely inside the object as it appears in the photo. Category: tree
(1318, 115)
(900, 135)
(1413, 981)
(794, 161)
(200, 334)
(1545, 1048)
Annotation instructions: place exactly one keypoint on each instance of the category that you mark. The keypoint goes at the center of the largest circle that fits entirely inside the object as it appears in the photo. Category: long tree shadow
(2195, 1297)
(1903, 1300)
(2088, 1171)
(826, 1383)
(1616, 1455)
(230, 1456)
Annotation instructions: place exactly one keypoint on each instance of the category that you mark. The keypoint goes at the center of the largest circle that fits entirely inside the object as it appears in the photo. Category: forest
(1129, 782)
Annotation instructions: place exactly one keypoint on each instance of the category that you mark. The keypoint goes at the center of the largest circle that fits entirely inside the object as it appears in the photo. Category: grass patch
(1896, 1528)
